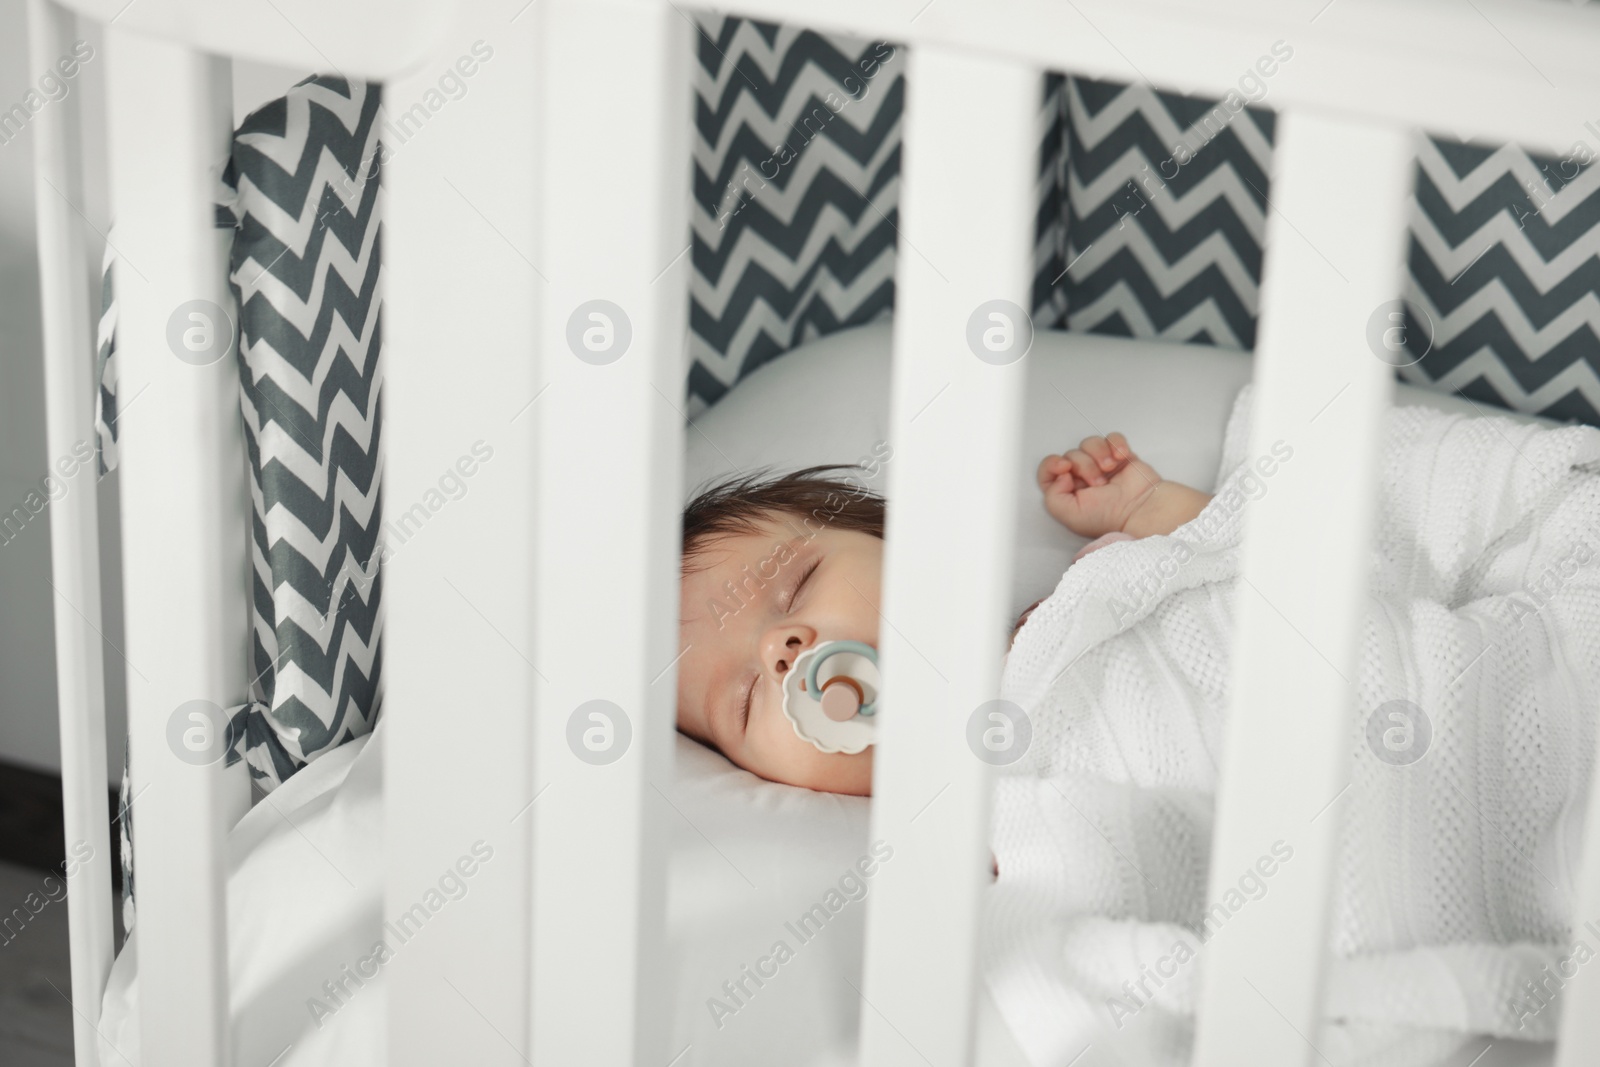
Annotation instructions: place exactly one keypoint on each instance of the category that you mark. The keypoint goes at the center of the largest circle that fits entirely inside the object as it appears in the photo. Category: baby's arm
(1101, 486)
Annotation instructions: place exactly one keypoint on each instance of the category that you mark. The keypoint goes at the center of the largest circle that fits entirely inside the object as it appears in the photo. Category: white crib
(583, 194)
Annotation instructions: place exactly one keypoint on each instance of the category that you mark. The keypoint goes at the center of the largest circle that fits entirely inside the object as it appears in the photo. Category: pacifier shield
(828, 713)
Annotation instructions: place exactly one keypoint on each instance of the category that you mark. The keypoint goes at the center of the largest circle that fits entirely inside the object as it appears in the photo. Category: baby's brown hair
(739, 504)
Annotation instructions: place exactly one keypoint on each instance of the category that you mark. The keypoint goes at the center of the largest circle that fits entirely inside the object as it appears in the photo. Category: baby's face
(792, 591)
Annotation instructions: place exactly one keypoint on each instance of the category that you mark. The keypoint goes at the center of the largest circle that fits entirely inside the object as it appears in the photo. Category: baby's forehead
(715, 561)
(716, 555)
(742, 547)
(746, 559)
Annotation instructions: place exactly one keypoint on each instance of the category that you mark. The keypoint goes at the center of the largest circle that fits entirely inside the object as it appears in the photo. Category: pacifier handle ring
(858, 647)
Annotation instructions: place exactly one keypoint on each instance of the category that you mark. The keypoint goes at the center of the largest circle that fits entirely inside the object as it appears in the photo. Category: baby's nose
(783, 646)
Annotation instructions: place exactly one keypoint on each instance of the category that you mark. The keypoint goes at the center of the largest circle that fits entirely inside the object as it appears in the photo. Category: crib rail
(369, 39)
(967, 226)
(460, 660)
(184, 525)
(74, 529)
(538, 597)
(558, 600)
(1286, 762)
(1498, 70)
(611, 341)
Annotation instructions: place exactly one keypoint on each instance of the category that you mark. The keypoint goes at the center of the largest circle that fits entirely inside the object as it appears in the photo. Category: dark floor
(35, 976)
(35, 979)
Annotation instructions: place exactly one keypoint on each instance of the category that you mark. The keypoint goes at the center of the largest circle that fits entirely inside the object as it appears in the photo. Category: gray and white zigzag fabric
(305, 272)
(307, 275)
(1166, 212)
(1050, 232)
(1504, 295)
(305, 204)
(105, 398)
(796, 193)
(1165, 215)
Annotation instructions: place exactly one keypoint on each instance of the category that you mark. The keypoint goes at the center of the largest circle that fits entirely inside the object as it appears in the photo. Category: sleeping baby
(772, 566)
(1472, 734)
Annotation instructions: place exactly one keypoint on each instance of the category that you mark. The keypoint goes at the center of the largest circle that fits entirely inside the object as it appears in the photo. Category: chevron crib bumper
(305, 271)
(1151, 215)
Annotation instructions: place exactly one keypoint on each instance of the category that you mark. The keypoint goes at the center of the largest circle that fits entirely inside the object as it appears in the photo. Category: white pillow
(828, 402)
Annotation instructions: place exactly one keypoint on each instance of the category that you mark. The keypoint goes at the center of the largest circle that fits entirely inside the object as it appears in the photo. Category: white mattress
(305, 887)
(747, 856)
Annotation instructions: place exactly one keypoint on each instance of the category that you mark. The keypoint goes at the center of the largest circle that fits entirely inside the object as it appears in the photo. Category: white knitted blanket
(1455, 872)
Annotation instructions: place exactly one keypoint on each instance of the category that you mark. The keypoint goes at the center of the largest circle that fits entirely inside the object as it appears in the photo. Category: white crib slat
(1578, 1042)
(610, 455)
(74, 527)
(184, 526)
(1335, 241)
(965, 237)
(454, 560)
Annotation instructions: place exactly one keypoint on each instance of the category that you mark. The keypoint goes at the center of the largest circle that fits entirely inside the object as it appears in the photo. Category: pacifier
(830, 696)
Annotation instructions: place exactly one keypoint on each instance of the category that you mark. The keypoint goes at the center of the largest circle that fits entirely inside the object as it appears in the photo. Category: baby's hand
(1094, 488)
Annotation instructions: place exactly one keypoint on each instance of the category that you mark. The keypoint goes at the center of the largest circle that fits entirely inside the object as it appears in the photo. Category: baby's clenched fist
(1095, 488)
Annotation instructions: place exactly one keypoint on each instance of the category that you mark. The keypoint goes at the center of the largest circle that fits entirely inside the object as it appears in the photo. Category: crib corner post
(74, 528)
